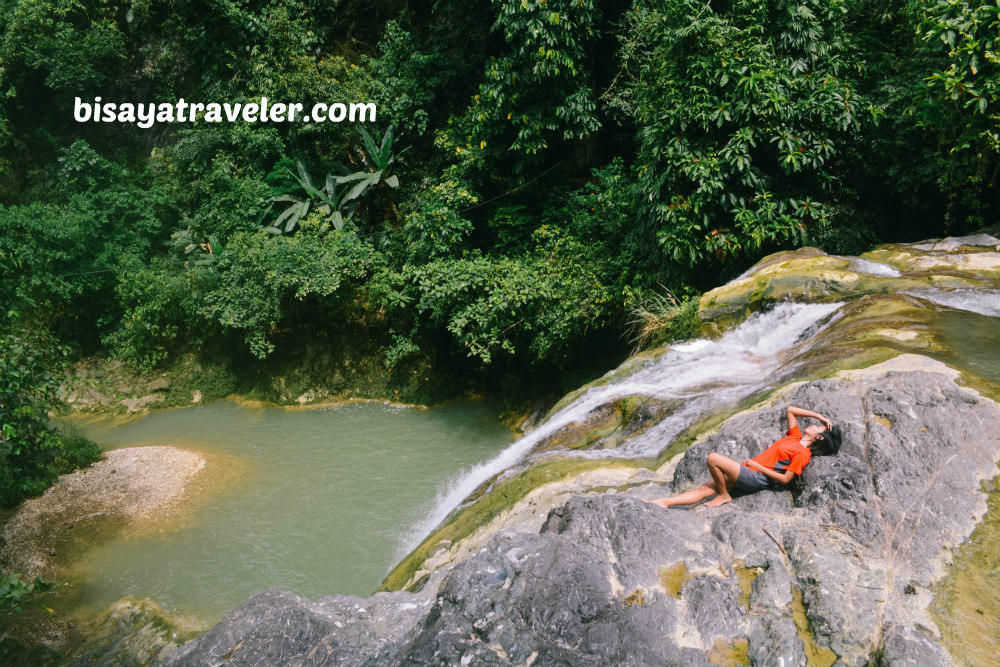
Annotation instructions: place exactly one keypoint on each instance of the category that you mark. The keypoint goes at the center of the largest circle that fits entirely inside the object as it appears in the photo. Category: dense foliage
(32, 452)
(743, 113)
(542, 174)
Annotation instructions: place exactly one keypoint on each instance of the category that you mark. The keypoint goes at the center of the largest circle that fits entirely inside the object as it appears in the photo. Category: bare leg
(724, 471)
(688, 497)
(722, 466)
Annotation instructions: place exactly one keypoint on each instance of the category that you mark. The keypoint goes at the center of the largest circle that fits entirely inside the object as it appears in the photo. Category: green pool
(314, 501)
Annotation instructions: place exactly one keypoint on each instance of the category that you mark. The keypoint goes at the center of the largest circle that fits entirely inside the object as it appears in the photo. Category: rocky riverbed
(127, 487)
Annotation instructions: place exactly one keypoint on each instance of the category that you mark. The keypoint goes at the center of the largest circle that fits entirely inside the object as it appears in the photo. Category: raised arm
(794, 412)
(783, 477)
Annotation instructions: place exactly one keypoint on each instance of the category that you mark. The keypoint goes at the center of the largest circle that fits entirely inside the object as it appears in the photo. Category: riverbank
(100, 388)
(97, 384)
(127, 487)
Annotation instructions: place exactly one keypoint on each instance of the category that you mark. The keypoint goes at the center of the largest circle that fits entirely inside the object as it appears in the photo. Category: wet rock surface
(835, 570)
(131, 634)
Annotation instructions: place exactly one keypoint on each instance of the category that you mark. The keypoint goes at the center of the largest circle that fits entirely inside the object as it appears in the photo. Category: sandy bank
(127, 487)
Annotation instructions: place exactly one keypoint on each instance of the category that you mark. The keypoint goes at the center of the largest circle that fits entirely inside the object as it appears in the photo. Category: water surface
(321, 502)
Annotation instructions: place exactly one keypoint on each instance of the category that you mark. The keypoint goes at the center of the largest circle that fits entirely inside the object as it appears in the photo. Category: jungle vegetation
(539, 171)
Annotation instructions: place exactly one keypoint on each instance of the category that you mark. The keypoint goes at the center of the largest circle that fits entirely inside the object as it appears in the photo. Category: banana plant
(327, 199)
(378, 158)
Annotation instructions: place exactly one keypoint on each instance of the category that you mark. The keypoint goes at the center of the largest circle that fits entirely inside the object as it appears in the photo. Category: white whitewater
(984, 302)
(707, 374)
(873, 268)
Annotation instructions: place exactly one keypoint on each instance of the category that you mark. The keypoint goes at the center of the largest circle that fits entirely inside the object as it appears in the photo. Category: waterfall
(705, 373)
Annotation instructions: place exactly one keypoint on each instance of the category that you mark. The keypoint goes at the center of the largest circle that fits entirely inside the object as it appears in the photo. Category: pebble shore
(127, 487)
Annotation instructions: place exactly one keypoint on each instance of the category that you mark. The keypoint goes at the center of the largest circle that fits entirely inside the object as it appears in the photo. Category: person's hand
(826, 422)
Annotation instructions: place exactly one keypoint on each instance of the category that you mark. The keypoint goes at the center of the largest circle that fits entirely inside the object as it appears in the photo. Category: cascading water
(981, 301)
(706, 374)
(873, 268)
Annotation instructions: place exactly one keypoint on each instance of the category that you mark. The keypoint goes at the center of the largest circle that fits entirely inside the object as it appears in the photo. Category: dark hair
(828, 442)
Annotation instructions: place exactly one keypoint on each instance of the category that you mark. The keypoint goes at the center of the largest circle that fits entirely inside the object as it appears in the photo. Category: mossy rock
(503, 495)
(132, 633)
(950, 256)
(609, 425)
(779, 259)
(809, 275)
(813, 278)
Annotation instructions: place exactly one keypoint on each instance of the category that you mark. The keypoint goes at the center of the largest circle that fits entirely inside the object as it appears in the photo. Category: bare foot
(662, 502)
(719, 500)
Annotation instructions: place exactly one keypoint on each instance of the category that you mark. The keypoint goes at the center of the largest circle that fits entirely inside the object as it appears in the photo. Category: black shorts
(751, 481)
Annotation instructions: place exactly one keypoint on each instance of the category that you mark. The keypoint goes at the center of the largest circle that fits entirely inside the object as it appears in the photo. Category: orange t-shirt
(786, 454)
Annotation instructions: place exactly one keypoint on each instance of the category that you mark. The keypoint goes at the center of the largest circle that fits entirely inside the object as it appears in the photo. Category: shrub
(32, 453)
(16, 593)
(663, 318)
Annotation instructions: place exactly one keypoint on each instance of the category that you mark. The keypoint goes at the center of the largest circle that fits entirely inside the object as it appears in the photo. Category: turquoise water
(319, 502)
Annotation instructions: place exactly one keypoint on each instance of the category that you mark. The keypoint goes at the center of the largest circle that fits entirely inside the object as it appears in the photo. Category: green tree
(259, 275)
(67, 250)
(29, 382)
(536, 306)
(32, 452)
(960, 103)
(742, 110)
(536, 90)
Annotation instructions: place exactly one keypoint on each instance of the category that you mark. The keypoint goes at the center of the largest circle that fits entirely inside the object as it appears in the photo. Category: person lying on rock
(776, 466)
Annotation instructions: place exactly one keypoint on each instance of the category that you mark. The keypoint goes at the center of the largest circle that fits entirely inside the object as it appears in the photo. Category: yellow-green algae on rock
(674, 577)
(746, 575)
(967, 601)
(730, 654)
(816, 655)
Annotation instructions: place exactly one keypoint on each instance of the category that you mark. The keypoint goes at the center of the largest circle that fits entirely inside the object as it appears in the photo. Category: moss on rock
(501, 495)
(966, 604)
